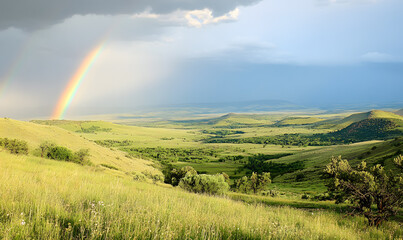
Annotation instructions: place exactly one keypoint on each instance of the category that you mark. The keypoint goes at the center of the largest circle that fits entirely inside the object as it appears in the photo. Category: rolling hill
(35, 134)
(373, 125)
(373, 152)
(232, 120)
(338, 124)
(290, 121)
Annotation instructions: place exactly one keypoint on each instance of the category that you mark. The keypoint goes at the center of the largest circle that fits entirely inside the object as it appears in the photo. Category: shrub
(270, 192)
(299, 177)
(156, 177)
(52, 151)
(15, 146)
(138, 176)
(109, 166)
(323, 197)
(81, 156)
(203, 183)
(60, 153)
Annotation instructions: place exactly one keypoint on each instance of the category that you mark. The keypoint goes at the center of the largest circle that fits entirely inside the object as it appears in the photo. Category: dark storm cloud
(34, 14)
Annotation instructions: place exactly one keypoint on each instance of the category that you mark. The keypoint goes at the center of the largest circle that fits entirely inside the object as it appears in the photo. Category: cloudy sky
(312, 52)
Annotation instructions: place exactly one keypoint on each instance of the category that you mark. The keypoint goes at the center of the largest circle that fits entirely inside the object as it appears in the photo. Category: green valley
(125, 182)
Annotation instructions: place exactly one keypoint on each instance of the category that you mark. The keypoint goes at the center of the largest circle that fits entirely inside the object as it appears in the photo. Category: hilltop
(370, 126)
(344, 122)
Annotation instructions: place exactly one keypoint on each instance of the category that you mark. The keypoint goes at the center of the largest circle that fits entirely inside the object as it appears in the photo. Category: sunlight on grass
(45, 199)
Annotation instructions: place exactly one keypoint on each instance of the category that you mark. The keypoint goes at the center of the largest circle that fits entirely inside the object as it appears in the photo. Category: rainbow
(74, 83)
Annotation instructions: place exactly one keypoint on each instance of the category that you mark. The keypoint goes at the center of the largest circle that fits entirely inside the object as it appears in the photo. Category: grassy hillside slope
(141, 136)
(298, 121)
(344, 122)
(373, 152)
(45, 199)
(35, 134)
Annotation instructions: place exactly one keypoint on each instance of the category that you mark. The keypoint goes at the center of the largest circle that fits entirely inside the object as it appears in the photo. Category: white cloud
(193, 18)
(198, 18)
(38, 14)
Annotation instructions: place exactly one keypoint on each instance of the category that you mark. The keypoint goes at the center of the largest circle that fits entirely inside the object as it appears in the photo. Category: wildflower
(23, 222)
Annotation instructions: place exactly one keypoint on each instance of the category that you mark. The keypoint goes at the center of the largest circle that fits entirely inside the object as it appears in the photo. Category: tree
(242, 184)
(44, 148)
(226, 177)
(256, 182)
(173, 175)
(264, 181)
(374, 192)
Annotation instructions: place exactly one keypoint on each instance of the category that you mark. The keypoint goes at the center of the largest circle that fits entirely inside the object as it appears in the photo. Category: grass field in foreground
(46, 199)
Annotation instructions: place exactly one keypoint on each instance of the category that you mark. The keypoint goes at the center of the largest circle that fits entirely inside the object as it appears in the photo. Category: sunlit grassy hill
(298, 121)
(375, 125)
(35, 134)
(344, 122)
(373, 152)
(233, 120)
(140, 136)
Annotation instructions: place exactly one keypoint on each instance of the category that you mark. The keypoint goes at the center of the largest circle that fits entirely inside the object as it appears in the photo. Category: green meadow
(119, 193)
(45, 199)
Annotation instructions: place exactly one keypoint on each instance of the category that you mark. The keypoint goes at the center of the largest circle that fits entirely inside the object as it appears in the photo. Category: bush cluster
(93, 129)
(173, 175)
(114, 143)
(168, 155)
(15, 146)
(156, 177)
(203, 183)
(52, 151)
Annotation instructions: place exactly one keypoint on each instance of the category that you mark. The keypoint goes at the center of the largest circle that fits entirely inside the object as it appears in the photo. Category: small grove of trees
(15, 146)
(173, 175)
(255, 183)
(188, 179)
(52, 151)
(374, 192)
(203, 183)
